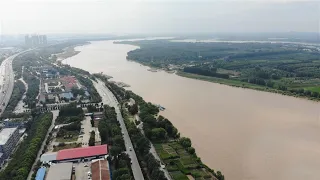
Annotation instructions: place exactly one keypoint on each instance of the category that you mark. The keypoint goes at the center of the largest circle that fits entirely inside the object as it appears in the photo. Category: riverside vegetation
(286, 68)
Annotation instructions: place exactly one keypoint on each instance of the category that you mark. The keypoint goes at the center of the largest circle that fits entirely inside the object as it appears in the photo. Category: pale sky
(157, 16)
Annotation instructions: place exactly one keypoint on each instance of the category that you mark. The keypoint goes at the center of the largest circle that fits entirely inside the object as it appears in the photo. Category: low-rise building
(41, 173)
(66, 95)
(76, 154)
(97, 116)
(100, 170)
(10, 123)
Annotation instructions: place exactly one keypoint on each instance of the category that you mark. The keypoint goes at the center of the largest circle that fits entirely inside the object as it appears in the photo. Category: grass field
(313, 89)
(177, 175)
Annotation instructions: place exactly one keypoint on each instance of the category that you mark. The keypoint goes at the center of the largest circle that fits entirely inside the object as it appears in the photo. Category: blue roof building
(41, 173)
(67, 95)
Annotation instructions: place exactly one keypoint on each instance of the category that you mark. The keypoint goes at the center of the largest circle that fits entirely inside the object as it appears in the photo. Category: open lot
(81, 172)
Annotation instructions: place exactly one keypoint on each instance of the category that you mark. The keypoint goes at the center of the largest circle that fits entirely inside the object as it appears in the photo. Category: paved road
(7, 80)
(108, 98)
(55, 115)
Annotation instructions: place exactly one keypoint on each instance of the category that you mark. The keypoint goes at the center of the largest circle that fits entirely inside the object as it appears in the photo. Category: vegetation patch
(177, 175)
(61, 146)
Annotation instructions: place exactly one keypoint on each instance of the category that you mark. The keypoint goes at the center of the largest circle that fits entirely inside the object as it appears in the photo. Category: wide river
(247, 134)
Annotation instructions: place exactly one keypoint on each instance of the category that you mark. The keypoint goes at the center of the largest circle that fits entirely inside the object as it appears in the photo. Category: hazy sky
(157, 16)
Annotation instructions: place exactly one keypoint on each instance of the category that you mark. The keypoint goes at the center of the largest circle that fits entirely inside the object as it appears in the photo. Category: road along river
(244, 133)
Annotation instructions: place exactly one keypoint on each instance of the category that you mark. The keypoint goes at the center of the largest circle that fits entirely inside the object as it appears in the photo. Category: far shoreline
(227, 82)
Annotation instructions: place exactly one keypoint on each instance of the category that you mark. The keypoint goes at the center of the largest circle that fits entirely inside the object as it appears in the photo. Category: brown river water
(246, 134)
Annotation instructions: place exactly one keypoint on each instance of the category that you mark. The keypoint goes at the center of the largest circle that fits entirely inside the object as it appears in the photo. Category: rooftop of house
(5, 134)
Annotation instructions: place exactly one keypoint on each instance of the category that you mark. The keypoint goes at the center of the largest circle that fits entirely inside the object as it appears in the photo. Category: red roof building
(100, 170)
(77, 153)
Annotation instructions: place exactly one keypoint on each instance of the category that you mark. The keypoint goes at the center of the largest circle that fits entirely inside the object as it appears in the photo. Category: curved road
(7, 80)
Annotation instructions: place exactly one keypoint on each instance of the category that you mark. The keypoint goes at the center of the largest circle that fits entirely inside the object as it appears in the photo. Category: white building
(9, 137)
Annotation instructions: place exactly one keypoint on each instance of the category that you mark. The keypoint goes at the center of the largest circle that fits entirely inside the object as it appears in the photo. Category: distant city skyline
(138, 16)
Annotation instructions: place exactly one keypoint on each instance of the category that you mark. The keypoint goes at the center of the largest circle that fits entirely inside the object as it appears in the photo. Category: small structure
(41, 173)
(97, 116)
(66, 95)
(48, 157)
(10, 123)
(61, 171)
(131, 102)
(100, 170)
(51, 98)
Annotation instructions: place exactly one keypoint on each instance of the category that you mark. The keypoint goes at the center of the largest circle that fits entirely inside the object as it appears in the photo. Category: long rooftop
(5, 134)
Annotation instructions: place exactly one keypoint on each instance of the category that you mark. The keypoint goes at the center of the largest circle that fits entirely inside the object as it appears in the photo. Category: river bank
(239, 84)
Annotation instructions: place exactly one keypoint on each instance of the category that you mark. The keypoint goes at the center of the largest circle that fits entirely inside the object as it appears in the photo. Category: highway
(108, 98)
(7, 80)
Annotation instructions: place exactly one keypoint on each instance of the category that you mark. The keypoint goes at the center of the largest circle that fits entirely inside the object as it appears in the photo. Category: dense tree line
(18, 90)
(23, 159)
(205, 72)
(33, 88)
(70, 110)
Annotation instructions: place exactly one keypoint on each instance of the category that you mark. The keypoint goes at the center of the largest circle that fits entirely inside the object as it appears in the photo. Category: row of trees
(23, 159)
(205, 72)
(18, 90)
(110, 133)
(92, 138)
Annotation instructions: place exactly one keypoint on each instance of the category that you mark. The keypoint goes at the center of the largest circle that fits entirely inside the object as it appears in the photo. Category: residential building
(9, 138)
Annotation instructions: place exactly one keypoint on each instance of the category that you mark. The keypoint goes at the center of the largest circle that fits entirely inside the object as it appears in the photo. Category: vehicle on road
(130, 148)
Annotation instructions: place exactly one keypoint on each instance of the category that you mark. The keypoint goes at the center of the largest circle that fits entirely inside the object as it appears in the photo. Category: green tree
(185, 142)
(158, 134)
